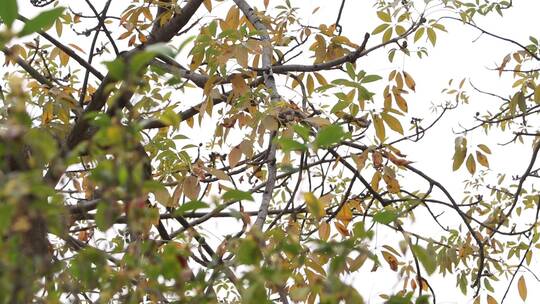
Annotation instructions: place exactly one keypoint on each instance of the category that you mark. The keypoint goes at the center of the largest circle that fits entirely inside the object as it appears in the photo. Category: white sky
(458, 54)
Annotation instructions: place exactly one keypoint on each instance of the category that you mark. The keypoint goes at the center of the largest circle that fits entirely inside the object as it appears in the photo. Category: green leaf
(302, 131)
(387, 35)
(398, 299)
(385, 217)
(9, 12)
(41, 21)
(370, 78)
(140, 60)
(432, 36)
(106, 214)
(189, 206)
(380, 28)
(170, 118)
(117, 68)
(237, 195)
(287, 145)
(339, 106)
(426, 258)
(160, 49)
(424, 299)
(350, 70)
(329, 136)
(248, 252)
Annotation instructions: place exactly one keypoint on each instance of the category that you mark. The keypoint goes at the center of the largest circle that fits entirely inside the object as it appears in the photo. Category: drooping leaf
(522, 288)
(379, 128)
(426, 258)
(41, 21)
(471, 164)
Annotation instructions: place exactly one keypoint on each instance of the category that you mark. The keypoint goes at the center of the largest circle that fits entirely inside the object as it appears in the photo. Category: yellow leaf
(391, 260)
(522, 288)
(400, 101)
(484, 148)
(208, 5)
(482, 159)
(392, 122)
(409, 81)
(310, 84)
(320, 79)
(315, 206)
(375, 180)
(324, 231)
(391, 183)
(242, 55)
(59, 27)
(345, 215)
(384, 16)
(379, 127)
(537, 94)
(491, 300)
(64, 58)
(471, 164)
(233, 18)
(47, 114)
(399, 81)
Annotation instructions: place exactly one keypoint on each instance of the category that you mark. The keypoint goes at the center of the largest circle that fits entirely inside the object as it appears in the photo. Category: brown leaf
(239, 85)
(341, 229)
(191, 187)
(235, 156)
(377, 158)
(360, 160)
(324, 231)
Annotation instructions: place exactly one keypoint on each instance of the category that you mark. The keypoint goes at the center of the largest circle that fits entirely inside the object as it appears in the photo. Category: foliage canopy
(119, 153)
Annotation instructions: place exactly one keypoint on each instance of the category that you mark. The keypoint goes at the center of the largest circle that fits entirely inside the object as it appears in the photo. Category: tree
(120, 151)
